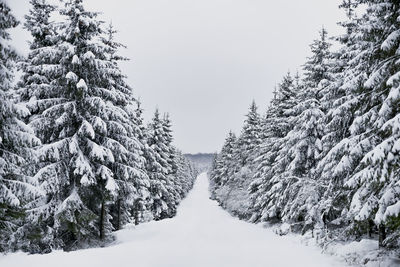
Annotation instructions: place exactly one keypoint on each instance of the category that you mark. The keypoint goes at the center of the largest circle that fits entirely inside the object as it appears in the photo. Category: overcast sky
(204, 61)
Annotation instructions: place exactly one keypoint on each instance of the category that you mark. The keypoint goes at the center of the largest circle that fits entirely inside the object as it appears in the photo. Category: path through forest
(202, 234)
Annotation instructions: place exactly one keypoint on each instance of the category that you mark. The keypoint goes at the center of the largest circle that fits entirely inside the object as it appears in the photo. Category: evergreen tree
(86, 132)
(224, 162)
(266, 155)
(172, 165)
(317, 66)
(36, 92)
(185, 175)
(339, 114)
(142, 211)
(158, 168)
(266, 190)
(328, 154)
(129, 163)
(166, 123)
(96, 167)
(171, 176)
(250, 137)
(230, 177)
(237, 172)
(40, 67)
(374, 184)
(302, 145)
(17, 187)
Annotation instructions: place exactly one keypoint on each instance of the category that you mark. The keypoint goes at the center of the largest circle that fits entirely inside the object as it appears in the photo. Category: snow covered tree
(250, 137)
(173, 162)
(129, 164)
(39, 24)
(230, 186)
(171, 176)
(223, 163)
(374, 184)
(17, 188)
(230, 177)
(40, 66)
(39, 69)
(317, 66)
(265, 189)
(302, 145)
(90, 151)
(185, 175)
(142, 207)
(166, 123)
(339, 106)
(329, 145)
(159, 169)
(95, 165)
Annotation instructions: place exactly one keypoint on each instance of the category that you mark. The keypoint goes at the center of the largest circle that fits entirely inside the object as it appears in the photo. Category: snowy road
(202, 234)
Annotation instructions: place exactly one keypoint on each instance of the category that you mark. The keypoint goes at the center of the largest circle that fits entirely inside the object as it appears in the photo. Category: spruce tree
(85, 130)
(232, 191)
(339, 106)
(40, 67)
(17, 187)
(172, 165)
(158, 168)
(142, 211)
(265, 191)
(317, 66)
(185, 174)
(124, 133)
(224, 162)
(250, 137)
(267, 152)
(332, 169)
(302, 145)
(374, 185)
(36, 92)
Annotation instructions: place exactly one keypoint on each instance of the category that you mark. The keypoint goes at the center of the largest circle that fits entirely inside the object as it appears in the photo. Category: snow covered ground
(202, 234)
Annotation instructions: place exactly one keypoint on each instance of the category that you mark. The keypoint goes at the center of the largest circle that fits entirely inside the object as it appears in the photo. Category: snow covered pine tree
(17, 187)
(92, 164)
(235, 166)
(328, 155)
(269, 182)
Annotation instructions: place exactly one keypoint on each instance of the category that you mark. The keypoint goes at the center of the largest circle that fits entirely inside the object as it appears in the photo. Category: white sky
(204, 61)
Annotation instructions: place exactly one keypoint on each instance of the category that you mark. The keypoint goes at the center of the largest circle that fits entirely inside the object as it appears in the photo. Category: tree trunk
(370, 227)
(382, 234)
(118, 214)
(136, 211)
(102, 215)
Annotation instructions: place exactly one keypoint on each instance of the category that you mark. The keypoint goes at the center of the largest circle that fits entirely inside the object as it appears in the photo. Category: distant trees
(76, 161)
(224, 162)
(232, 169)
(328, 156)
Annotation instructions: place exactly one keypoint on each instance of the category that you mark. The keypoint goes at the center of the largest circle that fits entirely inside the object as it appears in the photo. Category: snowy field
(202, 234)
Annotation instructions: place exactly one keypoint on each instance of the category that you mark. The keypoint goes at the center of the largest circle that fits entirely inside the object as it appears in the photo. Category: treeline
(76, 160)
(325, 155)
